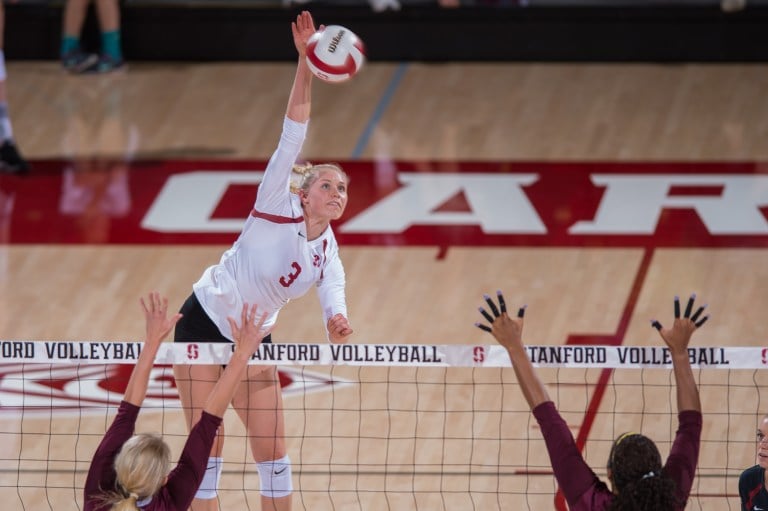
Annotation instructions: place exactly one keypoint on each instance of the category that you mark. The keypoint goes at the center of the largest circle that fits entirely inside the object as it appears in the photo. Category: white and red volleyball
(335, 53)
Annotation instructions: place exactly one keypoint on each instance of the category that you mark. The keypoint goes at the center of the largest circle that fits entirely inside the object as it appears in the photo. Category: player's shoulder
(753, 473)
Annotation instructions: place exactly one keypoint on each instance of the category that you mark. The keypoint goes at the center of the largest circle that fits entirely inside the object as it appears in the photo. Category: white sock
(6, 131)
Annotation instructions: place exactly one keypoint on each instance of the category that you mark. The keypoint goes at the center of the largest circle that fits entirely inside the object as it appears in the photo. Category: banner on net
(416, 355)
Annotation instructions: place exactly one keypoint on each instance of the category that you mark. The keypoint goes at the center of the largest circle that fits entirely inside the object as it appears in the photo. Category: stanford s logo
(478, 354)
(192, 351)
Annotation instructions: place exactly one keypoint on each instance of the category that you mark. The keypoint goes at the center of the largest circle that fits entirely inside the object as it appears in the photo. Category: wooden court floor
(433, 116)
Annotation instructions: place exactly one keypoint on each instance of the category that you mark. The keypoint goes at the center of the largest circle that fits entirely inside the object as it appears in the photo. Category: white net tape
(413, 355)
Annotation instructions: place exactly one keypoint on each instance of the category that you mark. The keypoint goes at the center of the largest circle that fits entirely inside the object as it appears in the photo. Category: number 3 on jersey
(287, 281)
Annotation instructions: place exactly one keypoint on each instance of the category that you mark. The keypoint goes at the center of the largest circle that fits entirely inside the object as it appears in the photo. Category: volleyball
(335, 54)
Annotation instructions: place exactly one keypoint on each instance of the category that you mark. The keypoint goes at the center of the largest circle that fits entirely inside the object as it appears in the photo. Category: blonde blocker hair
(307, 174)
(141, 467)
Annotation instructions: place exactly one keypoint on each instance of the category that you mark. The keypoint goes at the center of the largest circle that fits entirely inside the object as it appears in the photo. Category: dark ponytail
(638, 480)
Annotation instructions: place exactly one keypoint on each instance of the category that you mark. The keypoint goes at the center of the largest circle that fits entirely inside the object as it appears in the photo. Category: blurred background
(427, 30)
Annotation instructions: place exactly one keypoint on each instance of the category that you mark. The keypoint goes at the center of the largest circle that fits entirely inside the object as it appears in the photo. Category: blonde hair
(141, 467)
(306, 174)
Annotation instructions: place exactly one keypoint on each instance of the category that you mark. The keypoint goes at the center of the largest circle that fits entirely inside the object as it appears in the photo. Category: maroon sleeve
(571, 471)
(101, 474)
(684, 454)
(185, 479)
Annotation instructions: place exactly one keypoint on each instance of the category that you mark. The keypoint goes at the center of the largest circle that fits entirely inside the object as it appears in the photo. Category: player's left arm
(332, 295)
(571, 471)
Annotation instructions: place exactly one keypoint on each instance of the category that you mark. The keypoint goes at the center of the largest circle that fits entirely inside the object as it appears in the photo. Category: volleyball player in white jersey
(286, 246)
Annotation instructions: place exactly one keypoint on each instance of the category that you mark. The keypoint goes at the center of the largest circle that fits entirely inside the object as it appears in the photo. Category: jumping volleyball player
(638, 479)
(131, 472)
(286, 247)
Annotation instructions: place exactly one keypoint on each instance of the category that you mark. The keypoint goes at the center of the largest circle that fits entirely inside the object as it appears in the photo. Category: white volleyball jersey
(272, 261)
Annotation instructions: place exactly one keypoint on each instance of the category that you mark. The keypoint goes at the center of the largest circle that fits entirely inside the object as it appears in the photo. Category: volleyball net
(380, 427)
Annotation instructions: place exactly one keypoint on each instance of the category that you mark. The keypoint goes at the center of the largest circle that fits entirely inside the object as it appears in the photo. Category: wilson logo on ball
(335, 53)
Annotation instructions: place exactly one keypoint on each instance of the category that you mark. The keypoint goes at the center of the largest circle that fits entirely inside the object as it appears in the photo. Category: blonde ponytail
(126, 504)
(118, 501)
(299, 174)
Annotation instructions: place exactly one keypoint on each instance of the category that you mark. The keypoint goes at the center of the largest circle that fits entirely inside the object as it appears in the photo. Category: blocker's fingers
(483, 327)
(492, 305)
(485, 314)
(702, 321)
(655, 324)
(521, 311)
(698, 312)
(689, 306)
(261, 320)
(252, 314)
(502, 303)
(677, 307)
(233, 325)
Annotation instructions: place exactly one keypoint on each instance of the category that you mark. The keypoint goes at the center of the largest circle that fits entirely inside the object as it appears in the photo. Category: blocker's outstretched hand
(507, 331)
(249, 334)
(158, 324)
(678, 337)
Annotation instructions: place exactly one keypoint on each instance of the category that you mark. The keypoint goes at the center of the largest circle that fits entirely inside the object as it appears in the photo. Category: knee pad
(275, 477)
(210, 484)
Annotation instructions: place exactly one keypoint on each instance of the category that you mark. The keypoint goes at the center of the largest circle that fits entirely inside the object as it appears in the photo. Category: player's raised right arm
(300, 99)
(275, 185)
